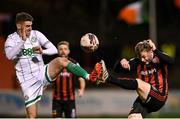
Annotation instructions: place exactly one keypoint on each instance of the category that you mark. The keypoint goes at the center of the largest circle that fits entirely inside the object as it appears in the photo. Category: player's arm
(125, 65)
(117, 66)
(50, 49)
(82, 85)
(162, 56)
(12, 50)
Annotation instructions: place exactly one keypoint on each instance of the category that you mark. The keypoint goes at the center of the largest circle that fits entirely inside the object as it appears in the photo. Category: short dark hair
(63, 43)
(23, 16)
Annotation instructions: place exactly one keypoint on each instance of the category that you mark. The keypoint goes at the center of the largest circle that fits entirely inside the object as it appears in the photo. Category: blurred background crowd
(118, 24)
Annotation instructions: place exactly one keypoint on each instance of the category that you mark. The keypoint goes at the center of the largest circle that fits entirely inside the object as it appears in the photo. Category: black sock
(126, 83)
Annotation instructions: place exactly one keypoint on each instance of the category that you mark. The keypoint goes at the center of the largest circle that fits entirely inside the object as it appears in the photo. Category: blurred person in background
(25, 48)
(151, 84)
(64, 87)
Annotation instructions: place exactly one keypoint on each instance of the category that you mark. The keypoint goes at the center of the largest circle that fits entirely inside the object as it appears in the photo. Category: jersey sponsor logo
(148, 72)
(67, 74)
(27, 52)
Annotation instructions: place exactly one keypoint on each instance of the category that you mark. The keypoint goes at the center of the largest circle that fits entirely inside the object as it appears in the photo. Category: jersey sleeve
(164, 57)
(50, 49)
(117, 66)
(41, 38)
(12, 50)
(132, 62)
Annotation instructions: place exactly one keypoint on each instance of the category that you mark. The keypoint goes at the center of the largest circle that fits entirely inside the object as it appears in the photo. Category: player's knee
(135, 116)
(143, 84)
(143, 89)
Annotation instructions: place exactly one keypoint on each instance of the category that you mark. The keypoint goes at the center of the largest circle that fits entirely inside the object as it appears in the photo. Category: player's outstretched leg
(99, 73)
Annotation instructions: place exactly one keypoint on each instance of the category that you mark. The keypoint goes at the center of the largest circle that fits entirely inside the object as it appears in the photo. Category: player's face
(63, 50)
(27, 25)
(146, 56)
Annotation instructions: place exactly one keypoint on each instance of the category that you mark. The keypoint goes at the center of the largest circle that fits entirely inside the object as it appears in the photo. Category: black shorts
(63, 107)
(152, 103)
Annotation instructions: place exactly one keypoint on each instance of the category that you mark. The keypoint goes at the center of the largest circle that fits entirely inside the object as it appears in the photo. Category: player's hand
(80, 92)
(125, 63)
(23, 33)
(151, 44)
(37, 49)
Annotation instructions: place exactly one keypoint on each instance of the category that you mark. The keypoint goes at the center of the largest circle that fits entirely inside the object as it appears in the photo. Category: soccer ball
(89, 43)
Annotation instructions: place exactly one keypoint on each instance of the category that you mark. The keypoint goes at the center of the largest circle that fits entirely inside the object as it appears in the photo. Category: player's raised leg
(56, 65)
(140, 86)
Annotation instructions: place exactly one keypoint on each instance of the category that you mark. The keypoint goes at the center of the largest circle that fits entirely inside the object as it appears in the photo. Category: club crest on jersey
(26, 97)
(33, 39)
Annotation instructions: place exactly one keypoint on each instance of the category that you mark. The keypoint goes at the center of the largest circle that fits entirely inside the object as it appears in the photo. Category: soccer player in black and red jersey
(151, 66)
(64, 87)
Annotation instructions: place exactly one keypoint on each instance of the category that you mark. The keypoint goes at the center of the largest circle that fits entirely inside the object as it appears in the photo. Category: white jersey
(22, 54)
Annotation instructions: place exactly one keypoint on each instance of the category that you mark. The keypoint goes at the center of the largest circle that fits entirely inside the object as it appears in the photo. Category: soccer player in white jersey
(24, 47)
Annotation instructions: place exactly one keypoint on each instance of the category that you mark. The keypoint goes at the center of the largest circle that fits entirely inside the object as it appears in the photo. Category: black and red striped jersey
(154, 73)
(64, 88)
